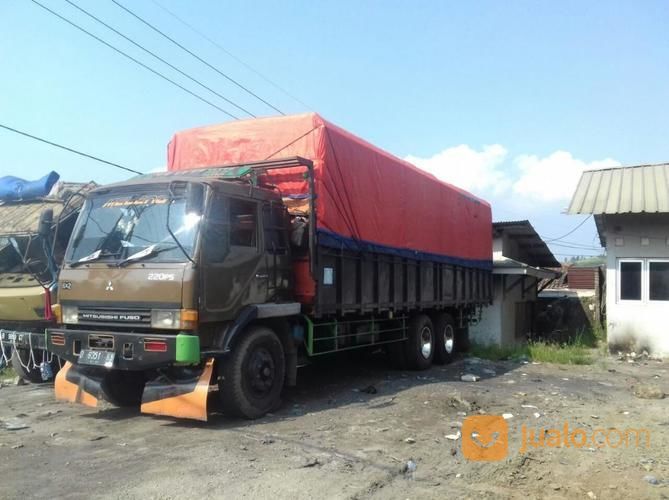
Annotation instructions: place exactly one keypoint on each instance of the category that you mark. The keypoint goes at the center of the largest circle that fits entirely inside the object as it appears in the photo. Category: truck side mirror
(194, 198)
(45, 222)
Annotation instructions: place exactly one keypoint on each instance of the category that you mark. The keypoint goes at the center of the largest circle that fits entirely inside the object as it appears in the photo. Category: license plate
(97, 358)
(12, 337)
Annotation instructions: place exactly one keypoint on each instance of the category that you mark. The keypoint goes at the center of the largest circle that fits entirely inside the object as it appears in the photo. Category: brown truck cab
(161, 274)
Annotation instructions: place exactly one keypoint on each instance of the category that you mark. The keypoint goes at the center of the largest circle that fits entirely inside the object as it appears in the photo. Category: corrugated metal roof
(22, 217)
(537, 252)
(622, 190)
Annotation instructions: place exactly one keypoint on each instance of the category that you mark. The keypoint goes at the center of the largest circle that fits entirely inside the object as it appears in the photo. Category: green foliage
(498, 353)
(574, 352)
(587, 260)
(565, 354)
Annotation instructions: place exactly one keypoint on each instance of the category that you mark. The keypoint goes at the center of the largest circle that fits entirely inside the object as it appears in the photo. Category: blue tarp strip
(333, 240)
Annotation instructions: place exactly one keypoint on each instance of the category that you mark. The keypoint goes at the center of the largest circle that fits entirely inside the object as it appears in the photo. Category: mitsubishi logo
(110, 286)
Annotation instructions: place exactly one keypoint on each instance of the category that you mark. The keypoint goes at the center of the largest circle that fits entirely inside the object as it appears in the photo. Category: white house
(520, 257)
(630, 206)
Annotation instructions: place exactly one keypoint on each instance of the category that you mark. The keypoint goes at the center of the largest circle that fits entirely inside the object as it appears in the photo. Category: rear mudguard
(181, 398)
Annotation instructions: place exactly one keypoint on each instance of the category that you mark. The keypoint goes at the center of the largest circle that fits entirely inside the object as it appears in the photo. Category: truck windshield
(25, 254)
(113, 228)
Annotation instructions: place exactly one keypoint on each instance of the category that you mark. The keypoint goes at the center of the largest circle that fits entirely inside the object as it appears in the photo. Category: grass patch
(565, 354)
(574, 352)
(7, 372)
(498, 353)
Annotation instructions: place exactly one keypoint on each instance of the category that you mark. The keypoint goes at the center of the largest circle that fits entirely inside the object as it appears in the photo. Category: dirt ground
(352, 429)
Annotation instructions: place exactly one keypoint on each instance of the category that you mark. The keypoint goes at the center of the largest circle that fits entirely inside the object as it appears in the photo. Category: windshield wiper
(98, 254)
(149, 251)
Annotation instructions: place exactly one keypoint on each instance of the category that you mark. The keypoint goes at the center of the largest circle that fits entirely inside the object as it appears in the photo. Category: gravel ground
(353, 429)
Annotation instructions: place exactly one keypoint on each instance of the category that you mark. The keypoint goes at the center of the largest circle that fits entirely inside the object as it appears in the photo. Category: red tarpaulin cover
(366, 197)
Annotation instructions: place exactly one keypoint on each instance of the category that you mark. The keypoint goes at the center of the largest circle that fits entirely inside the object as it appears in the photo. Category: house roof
(622, 190)
(537, 253)
(22, 217)
(504, 265)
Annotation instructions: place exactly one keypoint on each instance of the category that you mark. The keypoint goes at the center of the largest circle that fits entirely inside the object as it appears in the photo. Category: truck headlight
(174, 319)
(70, 315)
(165, 318)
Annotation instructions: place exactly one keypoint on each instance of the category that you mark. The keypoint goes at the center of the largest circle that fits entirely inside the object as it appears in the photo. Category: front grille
(106, 316)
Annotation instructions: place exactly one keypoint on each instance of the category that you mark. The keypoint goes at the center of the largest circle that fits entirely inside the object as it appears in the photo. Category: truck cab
(161, 273)
(33, 238)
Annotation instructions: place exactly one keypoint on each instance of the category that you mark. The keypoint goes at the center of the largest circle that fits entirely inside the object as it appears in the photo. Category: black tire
(445, 338)
(251, 380)
(419, 347)
(21, 357)
(123, 388)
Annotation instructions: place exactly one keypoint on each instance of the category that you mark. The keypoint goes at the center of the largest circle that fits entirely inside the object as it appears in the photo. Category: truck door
(234, 273)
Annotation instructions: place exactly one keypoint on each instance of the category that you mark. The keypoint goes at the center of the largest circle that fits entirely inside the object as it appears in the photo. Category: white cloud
(554, 177)
(463, 166)
(490, 174)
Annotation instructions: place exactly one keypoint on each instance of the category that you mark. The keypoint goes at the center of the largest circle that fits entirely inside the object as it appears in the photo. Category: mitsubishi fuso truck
(266, 244)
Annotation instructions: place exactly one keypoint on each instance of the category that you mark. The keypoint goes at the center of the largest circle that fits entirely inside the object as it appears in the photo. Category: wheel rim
(449, 339)
(261, 371)
(426, 342)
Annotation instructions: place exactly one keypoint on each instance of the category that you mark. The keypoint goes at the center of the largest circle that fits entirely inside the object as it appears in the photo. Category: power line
(548, 240)
(159, 58)
(71, 150)
(576, 246)
(71, 23)
(230, 79)
(593, 244)
(230, 54)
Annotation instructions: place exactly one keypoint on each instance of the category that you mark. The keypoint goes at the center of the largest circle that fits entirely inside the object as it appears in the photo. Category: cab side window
(274, 225)
(243, 223)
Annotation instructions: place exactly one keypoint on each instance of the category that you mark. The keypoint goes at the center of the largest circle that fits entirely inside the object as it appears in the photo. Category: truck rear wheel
(251, 379)
(419, 347)
(21, 360)
(444, 332)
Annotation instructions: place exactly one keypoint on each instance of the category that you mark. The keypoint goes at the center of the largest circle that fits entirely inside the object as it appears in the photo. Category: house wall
(508, 247)
(636, 325)
(498, 321)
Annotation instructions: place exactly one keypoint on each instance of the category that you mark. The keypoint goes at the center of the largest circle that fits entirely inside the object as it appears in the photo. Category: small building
(520, 261)
(572, 304)
(630, 206)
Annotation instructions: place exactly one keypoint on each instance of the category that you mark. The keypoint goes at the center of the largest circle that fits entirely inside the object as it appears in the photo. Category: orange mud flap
(77, 385)
(182, 397)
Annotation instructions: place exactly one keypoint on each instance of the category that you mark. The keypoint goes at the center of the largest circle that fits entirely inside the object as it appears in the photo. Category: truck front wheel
(123, 388)
(251, 379)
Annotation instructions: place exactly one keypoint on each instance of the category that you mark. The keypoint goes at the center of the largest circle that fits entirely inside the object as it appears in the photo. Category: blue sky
(511, 100)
